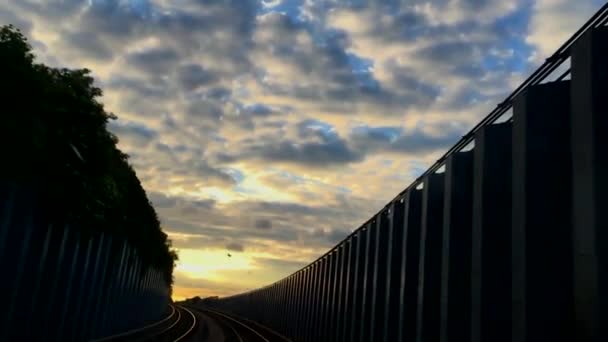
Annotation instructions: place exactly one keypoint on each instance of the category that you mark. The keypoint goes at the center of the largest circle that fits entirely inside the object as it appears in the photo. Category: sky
(269, 130)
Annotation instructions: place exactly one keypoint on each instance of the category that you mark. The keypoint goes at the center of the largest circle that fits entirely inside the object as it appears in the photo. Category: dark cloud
(135, 134)
(448, 53)
(326, 149)
(213, 176)
(87, 44)
(10, 17)
(337, 235)
(333, 79)
(161, 200)
(192, 76)
(235, 247)
(210, 15)
(475, 5)
(181, 166)
(395, 139)
(259, 110)
(419, 142)
(197, 28)
(219, 29)
(53, 9)
(263, 224)
(142, 87)
(154, 61)
(320, 146)
(218, 93)
(117, 19)
(188, 206)
(315, 154)
(406, 80)
(465, 97)
(212, 225)
(208, 111)
(395, 26)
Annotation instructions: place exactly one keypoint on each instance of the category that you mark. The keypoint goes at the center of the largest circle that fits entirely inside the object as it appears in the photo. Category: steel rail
(600, 18)
(191, 327)
(179, 316)
(228, 325)
(239, 323)
(238, 336)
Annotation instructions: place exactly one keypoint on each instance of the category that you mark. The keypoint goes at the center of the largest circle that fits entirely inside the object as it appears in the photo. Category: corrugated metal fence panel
(62, 285)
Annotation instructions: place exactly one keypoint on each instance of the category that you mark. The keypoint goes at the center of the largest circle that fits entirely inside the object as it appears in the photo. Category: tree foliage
(55, 138)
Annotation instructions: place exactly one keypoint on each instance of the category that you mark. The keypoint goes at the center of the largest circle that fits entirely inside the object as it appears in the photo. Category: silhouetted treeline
(55, 142)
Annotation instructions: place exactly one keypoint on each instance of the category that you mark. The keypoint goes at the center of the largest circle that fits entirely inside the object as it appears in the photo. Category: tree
(55, 138)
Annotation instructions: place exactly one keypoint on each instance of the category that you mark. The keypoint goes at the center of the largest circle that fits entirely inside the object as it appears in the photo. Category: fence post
(38, 279)
(542, 259)
(17, 280)
(358, 285)
(491, 282)
(86, 333)
(7, 215)
(410, 263)
(396, 232)
(456, 252)
(109, 323)
(366, 294)
(64, 311)
(99, 302)
(85, 271)
(588, 117)
(124, 277)
(349, 306)
(53, 289)
(340, 291)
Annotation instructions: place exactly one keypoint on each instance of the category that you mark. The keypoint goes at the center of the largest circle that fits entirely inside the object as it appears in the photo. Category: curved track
(177, 326)
(183, 326)
(238, 330)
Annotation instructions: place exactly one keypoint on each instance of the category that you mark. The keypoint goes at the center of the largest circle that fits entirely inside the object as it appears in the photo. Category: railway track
(177, 326)
(183, 326)
(238, 330)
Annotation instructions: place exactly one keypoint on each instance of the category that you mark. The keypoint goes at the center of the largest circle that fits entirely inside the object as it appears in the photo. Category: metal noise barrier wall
(509, 243)
(59, 285)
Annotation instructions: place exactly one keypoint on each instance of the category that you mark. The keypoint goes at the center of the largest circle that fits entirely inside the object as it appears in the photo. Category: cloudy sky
(271, 129)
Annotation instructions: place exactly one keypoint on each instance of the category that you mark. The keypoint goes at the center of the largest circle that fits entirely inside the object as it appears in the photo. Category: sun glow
(209, 264)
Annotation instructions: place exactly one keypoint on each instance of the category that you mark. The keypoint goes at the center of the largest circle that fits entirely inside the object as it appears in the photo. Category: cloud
(327, 148)
(153, 61)
(308, 227)
(283, 125)
(192, 76)
(235, 247)
(9, 16)
(396, 139)
(134, 134)
(554, 21)
(315, 147)
(263, 224)
(317, 154)
(452, 53)
(280, 263)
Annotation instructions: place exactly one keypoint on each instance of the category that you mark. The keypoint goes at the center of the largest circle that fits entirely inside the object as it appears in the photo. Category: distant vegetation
(55, 140)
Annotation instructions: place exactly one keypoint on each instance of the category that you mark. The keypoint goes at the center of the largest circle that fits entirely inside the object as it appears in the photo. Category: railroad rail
(237, 329)
(179, 324)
